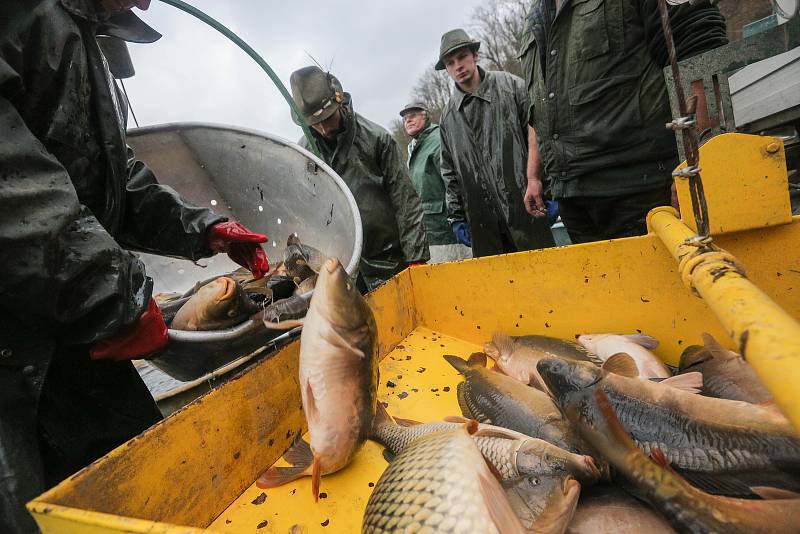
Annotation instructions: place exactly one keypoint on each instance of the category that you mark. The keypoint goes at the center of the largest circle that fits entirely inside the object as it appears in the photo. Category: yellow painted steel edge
(767, 337)
(56, 519)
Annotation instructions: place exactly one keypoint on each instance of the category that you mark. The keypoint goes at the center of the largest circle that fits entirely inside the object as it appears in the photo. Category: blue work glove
(461, 231)
(552, 211)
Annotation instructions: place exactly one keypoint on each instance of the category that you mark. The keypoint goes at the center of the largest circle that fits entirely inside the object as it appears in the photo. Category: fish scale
(433, 485)
(693, 445)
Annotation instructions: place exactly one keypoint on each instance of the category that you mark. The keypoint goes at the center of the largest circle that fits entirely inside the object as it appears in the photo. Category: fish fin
(491, 350)
(560, 508)
(382, 415)
(534, 382)
(769, 493)
(691, 382)
(460, 364)
(717, 350)
(658, 456)
(278, 476)
(471, 426)
(283, 325)
(477, 359)
(621, 364)
(643, 340)
(455, 419)
(299, 454)
(389, 456)
(406, 422)
(693, 355)
(504, 343)
(618, 432)
(717, 484)
(503, 516)
(316, 474)
(498, 432)
(310, 405)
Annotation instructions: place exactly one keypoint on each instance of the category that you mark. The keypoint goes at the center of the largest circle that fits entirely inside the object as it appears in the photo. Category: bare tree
(500, 25)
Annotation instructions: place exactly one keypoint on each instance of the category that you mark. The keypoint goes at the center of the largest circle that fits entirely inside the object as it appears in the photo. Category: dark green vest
(598, 101)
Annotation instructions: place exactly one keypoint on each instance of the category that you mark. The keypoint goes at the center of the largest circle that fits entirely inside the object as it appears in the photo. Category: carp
(338, 380)
(219, 304)
(719, 445)
(726, 374)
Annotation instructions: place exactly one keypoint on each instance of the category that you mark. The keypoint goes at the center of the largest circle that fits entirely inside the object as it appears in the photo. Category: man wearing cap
(75, 304)
(599, 105)
(485, 133)
(367, 158)
(423, 165)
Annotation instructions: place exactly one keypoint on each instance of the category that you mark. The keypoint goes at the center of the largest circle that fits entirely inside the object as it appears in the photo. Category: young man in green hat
(424, 166)
(367, 158)
(485, 133)
(599, 106)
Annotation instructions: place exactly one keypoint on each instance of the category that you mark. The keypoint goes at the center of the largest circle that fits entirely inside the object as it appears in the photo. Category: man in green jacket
(75, 304)
(485, 135)
(367, 158)
(425, 169)
(599, 105)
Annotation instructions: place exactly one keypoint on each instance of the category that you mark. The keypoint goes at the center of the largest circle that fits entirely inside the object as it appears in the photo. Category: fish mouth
(331, 264)
(228, 289)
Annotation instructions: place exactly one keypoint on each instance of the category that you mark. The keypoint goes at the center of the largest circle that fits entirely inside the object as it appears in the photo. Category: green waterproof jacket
(424, 167)
(367, 158)
(484, 165)
(72, 200)
(598, 97)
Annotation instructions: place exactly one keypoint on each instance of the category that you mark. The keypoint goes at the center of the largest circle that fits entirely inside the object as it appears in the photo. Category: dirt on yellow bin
(196, 469)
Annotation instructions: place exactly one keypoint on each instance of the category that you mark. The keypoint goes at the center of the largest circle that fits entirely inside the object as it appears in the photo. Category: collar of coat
(484, 90)
(126, 25)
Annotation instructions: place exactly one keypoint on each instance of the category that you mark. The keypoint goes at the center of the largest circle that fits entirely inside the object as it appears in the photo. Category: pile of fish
(279, 298)
(703, 447)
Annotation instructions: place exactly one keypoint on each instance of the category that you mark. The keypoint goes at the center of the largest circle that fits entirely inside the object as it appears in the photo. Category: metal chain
(686, 123)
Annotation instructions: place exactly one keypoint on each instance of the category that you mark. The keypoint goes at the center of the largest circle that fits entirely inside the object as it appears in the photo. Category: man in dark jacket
(367, 158)
(485, 132)
(599, 105)
(75, 305)
(424, 157)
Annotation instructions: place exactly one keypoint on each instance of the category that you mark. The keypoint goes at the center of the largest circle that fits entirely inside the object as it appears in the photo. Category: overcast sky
(193, 73)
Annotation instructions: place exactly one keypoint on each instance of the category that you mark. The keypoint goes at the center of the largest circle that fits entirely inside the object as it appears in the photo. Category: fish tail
(278, 476)
(477, 359)
(316, 474)
(504, 344)
(460, 364)
(618, 432)
(689, 382)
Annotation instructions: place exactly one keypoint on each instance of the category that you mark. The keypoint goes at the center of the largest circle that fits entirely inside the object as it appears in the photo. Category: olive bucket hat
(318, 94)
(453, 40)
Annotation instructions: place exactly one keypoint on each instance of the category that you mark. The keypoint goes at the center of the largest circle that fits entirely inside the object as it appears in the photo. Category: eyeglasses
(412, 115)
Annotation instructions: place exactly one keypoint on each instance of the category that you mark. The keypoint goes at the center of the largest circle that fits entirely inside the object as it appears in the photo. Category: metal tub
(271, 186)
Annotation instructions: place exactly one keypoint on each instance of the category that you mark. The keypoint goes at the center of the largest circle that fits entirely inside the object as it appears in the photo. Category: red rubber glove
(242, 246)
(145, 338)
(413, 263)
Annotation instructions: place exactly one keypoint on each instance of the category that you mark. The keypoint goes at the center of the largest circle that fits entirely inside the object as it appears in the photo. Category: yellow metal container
(196, 470)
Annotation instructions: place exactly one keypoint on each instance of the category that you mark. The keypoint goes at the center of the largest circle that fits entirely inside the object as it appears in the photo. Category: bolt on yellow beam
(767, 336)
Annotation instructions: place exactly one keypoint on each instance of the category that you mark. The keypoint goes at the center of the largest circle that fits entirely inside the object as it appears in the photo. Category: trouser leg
(21, 471)
(628, 214)
(577, 217)
(87, 408)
